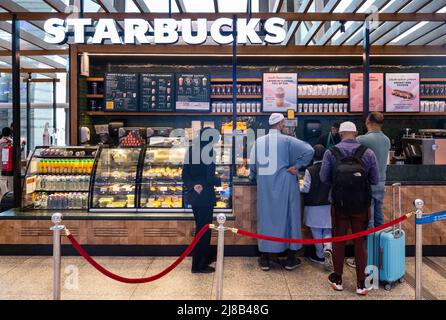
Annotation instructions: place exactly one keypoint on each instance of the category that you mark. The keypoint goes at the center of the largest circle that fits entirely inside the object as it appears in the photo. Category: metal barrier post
(221, 219)
(57, 228)
(418, 250)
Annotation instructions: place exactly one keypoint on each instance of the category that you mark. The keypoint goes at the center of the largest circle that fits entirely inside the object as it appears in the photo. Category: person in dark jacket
(317, 210)
(199, 181)
(331, 138)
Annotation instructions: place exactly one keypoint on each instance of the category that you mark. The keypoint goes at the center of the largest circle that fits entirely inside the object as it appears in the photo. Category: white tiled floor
(31, 278)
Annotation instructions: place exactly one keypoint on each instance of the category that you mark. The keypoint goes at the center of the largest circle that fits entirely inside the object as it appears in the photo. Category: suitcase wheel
(388, 286)
(402, 280)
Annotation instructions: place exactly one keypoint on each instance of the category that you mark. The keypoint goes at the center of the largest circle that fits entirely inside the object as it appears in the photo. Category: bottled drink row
(323, 90)
(250, 106)
(432, 89)
(322, 107)
(56, 201)
(65, 166)
(62, 183)
(242, 89)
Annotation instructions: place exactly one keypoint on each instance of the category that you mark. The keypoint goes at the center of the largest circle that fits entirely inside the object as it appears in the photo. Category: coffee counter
(142, 230)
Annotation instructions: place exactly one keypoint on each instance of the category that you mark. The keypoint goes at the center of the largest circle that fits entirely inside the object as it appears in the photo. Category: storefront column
(15, 55)
(234, 92)
(28, 114)
(366, 65)
(54, 108)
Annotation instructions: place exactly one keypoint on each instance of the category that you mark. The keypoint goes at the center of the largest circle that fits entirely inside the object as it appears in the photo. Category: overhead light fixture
(342, 26)
(85, 65)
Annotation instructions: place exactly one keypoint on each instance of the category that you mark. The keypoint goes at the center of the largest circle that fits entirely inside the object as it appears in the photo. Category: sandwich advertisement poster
(279, 92)
(357, 92)
(402, 92)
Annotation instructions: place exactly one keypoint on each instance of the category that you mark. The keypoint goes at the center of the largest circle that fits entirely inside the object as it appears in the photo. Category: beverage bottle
(46, 135)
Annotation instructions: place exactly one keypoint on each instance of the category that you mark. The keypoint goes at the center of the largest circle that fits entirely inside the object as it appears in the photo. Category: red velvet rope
(326, 240)
(116, 277)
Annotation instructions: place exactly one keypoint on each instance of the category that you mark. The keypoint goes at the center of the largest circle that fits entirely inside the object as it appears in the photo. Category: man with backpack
(350, 169)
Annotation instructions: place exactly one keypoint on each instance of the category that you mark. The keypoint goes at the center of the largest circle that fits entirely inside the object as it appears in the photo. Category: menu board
(376, 87)
(402, 92)
(192, 92)
(157, 92)
(279, 92)
(121, 91)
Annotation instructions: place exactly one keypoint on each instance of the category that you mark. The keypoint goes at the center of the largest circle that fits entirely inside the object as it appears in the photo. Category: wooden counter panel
(180, 232)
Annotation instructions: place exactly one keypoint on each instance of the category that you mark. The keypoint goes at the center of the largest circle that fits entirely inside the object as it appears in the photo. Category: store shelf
(416, 114)
(62, 191)
(323, 97)
(95, 79)
(93, 96)
(433, 97)
(327, 114)
(433, 79)
(137, 114)
(323, 80)
(238, 97)
(230, 80)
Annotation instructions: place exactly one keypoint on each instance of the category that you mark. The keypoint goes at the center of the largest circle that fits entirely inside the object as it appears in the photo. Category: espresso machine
(428, 147)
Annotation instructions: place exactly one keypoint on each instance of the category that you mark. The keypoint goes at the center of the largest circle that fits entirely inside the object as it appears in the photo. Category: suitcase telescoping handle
(396, 187)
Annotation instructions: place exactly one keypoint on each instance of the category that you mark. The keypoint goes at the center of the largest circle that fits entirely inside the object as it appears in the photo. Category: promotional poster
(376, 102)
(402, 92)
(279, 92)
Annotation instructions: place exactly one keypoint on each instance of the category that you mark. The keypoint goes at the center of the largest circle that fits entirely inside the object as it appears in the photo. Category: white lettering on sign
(216, 31)
(79, 28)
(246, 31)
(55, 31)
(106, 29)
(275, 30)
(135, 31)
(186, 31)
(166, 31)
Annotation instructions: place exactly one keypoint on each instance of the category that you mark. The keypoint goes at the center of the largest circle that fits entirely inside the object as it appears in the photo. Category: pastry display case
(58, 178)
(161, 186)
(113, 186)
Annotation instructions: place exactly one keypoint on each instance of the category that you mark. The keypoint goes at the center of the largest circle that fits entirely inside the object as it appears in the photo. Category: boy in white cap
(274, 161)
(350, 169)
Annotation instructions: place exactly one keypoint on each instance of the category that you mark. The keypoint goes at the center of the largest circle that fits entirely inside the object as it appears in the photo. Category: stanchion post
(221, 219)
(57, 228)
(419, 204)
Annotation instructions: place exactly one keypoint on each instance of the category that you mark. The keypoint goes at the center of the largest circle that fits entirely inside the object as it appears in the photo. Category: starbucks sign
(164, 31)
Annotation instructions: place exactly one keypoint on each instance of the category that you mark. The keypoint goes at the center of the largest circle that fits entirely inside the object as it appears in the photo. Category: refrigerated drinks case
(114, 180)
(58, 178)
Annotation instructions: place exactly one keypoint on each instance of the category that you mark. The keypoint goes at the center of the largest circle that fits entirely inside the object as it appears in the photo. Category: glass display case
(114, 183)
(161, 187)
(58, 178)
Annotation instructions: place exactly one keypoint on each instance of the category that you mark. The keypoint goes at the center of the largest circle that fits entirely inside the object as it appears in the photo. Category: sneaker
(328, 259)
(292, 263)
(351, 262)
(314, 258)
(361, 289)
(264, 263)
(336, 282)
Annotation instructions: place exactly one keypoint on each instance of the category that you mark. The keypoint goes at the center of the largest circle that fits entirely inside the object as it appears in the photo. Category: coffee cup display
(280, 97)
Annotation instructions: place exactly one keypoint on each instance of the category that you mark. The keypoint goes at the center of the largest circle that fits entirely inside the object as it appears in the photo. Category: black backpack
(351, 190)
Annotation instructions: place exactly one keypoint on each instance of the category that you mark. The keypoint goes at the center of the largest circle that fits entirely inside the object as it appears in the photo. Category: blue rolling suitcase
(387, 248)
